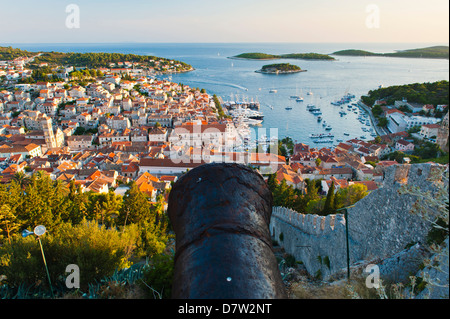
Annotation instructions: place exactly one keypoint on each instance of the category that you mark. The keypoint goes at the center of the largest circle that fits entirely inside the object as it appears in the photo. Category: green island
(281, 68)
(93, 60)
(435, 52)
(296, 56)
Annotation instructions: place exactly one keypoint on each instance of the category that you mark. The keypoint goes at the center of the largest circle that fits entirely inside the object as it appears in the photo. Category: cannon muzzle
(221, 214)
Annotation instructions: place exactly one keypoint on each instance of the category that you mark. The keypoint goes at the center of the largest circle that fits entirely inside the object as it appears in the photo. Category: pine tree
(135, 206)
(8, 222)
(328, 207)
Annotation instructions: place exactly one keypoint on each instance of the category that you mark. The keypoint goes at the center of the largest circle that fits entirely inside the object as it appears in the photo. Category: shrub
(290, 260)
(98, 252)
(158, 276)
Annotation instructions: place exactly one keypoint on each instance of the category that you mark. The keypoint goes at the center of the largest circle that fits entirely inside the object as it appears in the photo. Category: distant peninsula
(281, 68)
(296, 56)
(436, 52)
(95, 60)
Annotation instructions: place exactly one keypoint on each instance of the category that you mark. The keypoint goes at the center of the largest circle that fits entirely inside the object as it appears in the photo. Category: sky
(205, 21)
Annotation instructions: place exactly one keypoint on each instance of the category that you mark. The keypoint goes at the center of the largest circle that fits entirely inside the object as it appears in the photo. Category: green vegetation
(101, 233)
(424, 151)
(427, 93)
(160, 274)
(93, 60)
(219, 108)
(297, 56)
(312, 202)
(257, 56)
(9, 53)
(436, 52)
(280, 68)
(352, 52)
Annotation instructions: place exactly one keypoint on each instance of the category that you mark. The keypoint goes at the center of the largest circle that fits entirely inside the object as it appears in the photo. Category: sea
(323, 83)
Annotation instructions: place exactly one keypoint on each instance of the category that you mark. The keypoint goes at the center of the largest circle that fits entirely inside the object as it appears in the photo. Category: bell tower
(46, 123)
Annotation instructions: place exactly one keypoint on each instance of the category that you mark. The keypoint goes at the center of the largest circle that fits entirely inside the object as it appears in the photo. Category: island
(281, 68)
(296, 56)
(435, 52)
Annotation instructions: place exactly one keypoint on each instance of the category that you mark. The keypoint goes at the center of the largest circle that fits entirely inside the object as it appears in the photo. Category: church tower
(46, 123)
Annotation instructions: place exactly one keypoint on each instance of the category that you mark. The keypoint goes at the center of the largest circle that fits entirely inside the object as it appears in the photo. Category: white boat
(323, 141)
(251, 122)
(273, 91)
(322, 135)
(310, 92)
(299, 99)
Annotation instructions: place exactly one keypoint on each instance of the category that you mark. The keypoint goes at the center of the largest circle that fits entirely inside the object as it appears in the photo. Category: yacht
(319, 119)
(299, 99)
(251, 122)
(273, 91)
(328, 128)
(251, 114)
(288, 108)
(323, 141)
(321, 135)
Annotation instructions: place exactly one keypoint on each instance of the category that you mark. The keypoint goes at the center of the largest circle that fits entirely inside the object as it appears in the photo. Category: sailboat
(300, 98)
(288, 108)
(296, 92)
(310, 92)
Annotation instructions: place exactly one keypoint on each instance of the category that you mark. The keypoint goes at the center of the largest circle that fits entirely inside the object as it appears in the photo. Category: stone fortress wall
(380, 225)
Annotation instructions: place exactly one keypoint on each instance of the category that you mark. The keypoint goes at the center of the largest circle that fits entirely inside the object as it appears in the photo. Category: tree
(318, 162)
(284, 195)
(350, 195)
(135, 206)
(22, 179)
(272, 182)
(8, 221)
(382, 122)
(329, 201)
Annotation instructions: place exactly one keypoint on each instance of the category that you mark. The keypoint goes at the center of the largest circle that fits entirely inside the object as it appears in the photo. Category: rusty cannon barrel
(221, 214)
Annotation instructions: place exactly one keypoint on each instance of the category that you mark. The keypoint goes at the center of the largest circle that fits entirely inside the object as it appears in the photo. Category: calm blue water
(328, 80)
